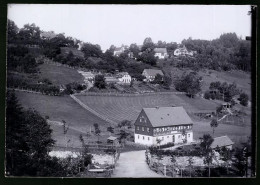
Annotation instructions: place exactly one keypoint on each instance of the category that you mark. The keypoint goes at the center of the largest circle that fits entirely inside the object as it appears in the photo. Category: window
(142, 128)
(148, 129)
(188, 135)
(148, 138)
(137, 127)
(138, 136)
(167, 136)
(179, 136)
(143, 137)
(162, 138)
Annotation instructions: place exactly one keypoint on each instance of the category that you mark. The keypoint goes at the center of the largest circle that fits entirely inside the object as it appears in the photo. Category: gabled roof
(153, 72)
(167, 116)
(111, 138)
(221, 141)
(160, 50)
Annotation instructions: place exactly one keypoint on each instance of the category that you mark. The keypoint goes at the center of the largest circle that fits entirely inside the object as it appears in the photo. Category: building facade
(182, 51)
(150, 74)
(161, 53)
(167, 124)
(124, 78)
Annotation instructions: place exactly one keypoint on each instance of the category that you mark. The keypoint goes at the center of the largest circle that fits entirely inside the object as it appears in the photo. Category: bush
(243, 98)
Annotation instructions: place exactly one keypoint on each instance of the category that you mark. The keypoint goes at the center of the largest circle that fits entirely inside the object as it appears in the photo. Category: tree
(206, 142)
(30, 34)
(124, 124)
(97, 130)
(208, 154)
(158, 79)
(243, 98)
(226, 156)
(91, 50)
(110, 129)
(158, 141)
(122, 136)
(167, 81)
(28, 142)
(12, 31)
(213, 124)
(100, 82)
(189, 83)
(190, 161)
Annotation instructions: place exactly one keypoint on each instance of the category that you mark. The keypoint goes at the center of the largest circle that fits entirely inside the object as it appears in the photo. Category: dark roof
(111, 138)
(153, 72)
(160, 50)
(221, 141)
(167, 116)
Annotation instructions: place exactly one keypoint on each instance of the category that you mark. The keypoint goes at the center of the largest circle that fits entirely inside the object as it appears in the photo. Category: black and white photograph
(129, 91)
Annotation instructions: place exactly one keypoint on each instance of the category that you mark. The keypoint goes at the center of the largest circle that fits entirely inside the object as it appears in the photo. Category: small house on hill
(182, 51)
(113, 140)
(124, 78)
(47, 35)
(150, 74)
(223, 141)
(161, 53)
(167, 124)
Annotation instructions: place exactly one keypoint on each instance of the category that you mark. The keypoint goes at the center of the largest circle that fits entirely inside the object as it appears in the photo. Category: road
(132, 164)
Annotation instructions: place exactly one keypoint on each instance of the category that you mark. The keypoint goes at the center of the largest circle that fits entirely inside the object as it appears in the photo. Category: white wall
(178, 138)
(143, 139)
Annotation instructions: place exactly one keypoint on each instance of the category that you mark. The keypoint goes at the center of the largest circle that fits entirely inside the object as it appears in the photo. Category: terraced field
(120, 108)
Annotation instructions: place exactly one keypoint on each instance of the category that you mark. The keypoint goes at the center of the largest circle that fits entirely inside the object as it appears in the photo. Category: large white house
(150, 74)
(124, 78)
(168, 124)
(182, 51)
(161, 53)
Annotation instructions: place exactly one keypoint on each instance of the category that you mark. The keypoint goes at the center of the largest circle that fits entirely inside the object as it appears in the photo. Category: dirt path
(132, 164)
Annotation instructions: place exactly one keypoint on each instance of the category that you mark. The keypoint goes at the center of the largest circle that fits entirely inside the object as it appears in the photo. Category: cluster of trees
(189, 83)
(226, 92)
(74, 87)
(45, 87)
(20, 60)
(28, 143)
(225, 53)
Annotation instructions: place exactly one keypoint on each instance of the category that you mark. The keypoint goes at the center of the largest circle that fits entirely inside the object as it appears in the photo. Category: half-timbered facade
(167, 124)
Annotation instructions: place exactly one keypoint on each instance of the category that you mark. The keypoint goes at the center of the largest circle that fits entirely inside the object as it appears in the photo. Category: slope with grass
(121, 108)
(60, 75)
(62, 108)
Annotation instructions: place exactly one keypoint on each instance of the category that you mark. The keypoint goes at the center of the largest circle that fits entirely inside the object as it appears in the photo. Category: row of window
(148, 138)
(172, 128)
(166, 128)
(143, 128)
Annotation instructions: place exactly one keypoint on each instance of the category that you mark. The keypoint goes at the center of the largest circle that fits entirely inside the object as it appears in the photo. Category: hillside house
(182, 51)
(113, 140)
(168, 124)
(161, 53)
(223, 141)
(124, 78)
(120, 50)
(111, 80)
(88, 76)
(150, 74)
(47, 35)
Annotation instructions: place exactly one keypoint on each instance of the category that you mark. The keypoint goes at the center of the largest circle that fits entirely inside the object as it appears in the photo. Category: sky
(125, 24)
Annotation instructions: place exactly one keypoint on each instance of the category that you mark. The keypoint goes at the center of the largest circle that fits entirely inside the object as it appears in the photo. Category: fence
(31, 91)
(127, 94)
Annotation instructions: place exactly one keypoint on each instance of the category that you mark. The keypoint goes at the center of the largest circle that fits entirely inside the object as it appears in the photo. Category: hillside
(62, 108)
(241, 78)
(60, 75)
(120, 108)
